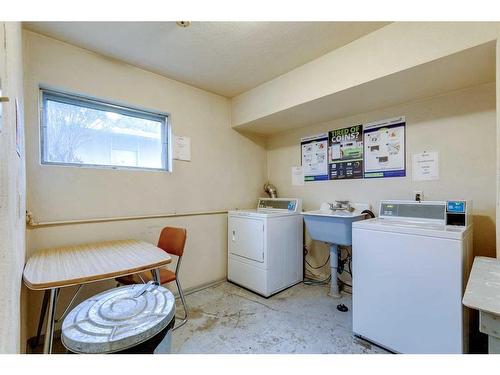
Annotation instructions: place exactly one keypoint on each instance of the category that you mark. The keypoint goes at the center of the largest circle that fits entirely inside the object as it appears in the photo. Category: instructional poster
(384, 148)
(346, 153)
(315, 157)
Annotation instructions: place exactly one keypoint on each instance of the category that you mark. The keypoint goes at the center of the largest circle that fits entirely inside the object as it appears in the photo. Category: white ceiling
(226, 58)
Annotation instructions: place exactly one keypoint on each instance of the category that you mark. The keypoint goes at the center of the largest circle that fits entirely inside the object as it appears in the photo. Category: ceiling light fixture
(183, 23)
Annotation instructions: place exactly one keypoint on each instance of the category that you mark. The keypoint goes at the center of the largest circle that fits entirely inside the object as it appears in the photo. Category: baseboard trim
(201, 287)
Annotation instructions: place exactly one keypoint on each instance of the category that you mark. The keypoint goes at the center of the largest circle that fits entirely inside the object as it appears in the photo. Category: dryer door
(246, 237)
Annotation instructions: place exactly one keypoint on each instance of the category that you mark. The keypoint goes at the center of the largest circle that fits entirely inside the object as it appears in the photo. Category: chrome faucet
(341, 206)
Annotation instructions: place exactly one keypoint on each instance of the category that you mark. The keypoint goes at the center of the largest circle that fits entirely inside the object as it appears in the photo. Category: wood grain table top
(73, 265)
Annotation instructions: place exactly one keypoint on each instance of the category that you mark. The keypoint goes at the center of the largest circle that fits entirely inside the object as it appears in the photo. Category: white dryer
(265, 246)
(410, 268)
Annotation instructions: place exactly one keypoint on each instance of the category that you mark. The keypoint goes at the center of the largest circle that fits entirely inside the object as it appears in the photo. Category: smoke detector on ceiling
(183, 23)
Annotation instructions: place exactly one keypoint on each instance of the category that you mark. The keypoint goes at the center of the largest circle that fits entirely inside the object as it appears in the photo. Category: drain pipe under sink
(334, 264)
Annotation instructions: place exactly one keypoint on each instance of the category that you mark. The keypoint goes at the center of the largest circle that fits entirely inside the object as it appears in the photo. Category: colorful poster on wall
(384, 148)
(346, 153)
(314, 151)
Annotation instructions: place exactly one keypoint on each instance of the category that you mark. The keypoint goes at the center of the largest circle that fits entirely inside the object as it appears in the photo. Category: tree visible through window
(82, 131)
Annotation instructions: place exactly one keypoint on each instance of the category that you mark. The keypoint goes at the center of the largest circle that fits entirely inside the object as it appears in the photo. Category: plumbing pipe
(334, 264)
(32, 224)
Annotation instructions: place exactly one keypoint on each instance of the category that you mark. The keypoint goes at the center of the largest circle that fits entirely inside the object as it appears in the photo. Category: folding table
(55, 268)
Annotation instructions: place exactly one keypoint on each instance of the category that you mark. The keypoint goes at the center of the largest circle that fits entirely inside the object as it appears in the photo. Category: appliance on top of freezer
(410, 268)
(265, 250)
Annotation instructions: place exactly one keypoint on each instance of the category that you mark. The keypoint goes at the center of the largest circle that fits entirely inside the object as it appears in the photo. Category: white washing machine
(265, 246)
(410, 269)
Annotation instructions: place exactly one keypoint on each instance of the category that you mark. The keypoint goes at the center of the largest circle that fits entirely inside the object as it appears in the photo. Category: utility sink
(332, 223)
(334, 227)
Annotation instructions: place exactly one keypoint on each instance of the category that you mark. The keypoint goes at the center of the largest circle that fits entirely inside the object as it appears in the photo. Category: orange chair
(172, 240)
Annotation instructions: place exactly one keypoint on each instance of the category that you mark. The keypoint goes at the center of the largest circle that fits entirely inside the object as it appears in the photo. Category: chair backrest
(172, 240)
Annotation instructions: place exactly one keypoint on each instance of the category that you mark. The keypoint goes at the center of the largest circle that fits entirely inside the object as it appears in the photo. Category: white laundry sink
(334, 227)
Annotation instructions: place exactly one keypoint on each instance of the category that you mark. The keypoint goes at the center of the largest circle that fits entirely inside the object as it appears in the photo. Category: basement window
(87, 132)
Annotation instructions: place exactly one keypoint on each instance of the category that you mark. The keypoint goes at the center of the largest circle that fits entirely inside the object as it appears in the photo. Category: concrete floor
(227, 319)
(303, 319)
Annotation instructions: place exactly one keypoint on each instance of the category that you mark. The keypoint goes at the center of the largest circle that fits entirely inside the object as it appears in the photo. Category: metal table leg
(43, 311)
(156, 275)
(49, 329)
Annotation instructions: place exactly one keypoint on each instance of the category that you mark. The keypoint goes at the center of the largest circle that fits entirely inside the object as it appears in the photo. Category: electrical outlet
(418, 195)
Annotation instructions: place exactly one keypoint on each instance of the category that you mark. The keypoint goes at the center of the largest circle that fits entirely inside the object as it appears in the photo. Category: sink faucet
(341, 206)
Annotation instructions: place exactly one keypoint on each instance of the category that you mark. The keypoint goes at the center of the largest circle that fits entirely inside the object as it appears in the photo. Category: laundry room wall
(497, 75)
(460, 125)
(12, 190)
(228, 169)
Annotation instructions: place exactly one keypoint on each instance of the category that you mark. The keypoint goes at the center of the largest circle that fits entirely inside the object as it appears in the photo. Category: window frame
(48, 94)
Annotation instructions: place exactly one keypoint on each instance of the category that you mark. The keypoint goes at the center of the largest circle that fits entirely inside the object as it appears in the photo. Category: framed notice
(314, 155)
(346, 153)
(384, 148)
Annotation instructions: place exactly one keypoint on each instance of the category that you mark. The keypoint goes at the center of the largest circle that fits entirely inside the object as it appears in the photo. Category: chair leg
(184, 305)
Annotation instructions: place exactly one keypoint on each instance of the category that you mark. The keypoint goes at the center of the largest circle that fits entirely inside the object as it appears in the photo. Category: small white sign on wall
(297, 176)
(426, 166)
(182, 148)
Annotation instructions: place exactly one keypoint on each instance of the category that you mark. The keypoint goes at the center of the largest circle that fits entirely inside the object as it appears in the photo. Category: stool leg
(43, 311)
(49, 329)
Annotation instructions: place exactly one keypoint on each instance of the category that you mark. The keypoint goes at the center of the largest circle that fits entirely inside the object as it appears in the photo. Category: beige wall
(461, 126)
(397, 47)
(227, 169)
(12, 192)
(498, 138)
